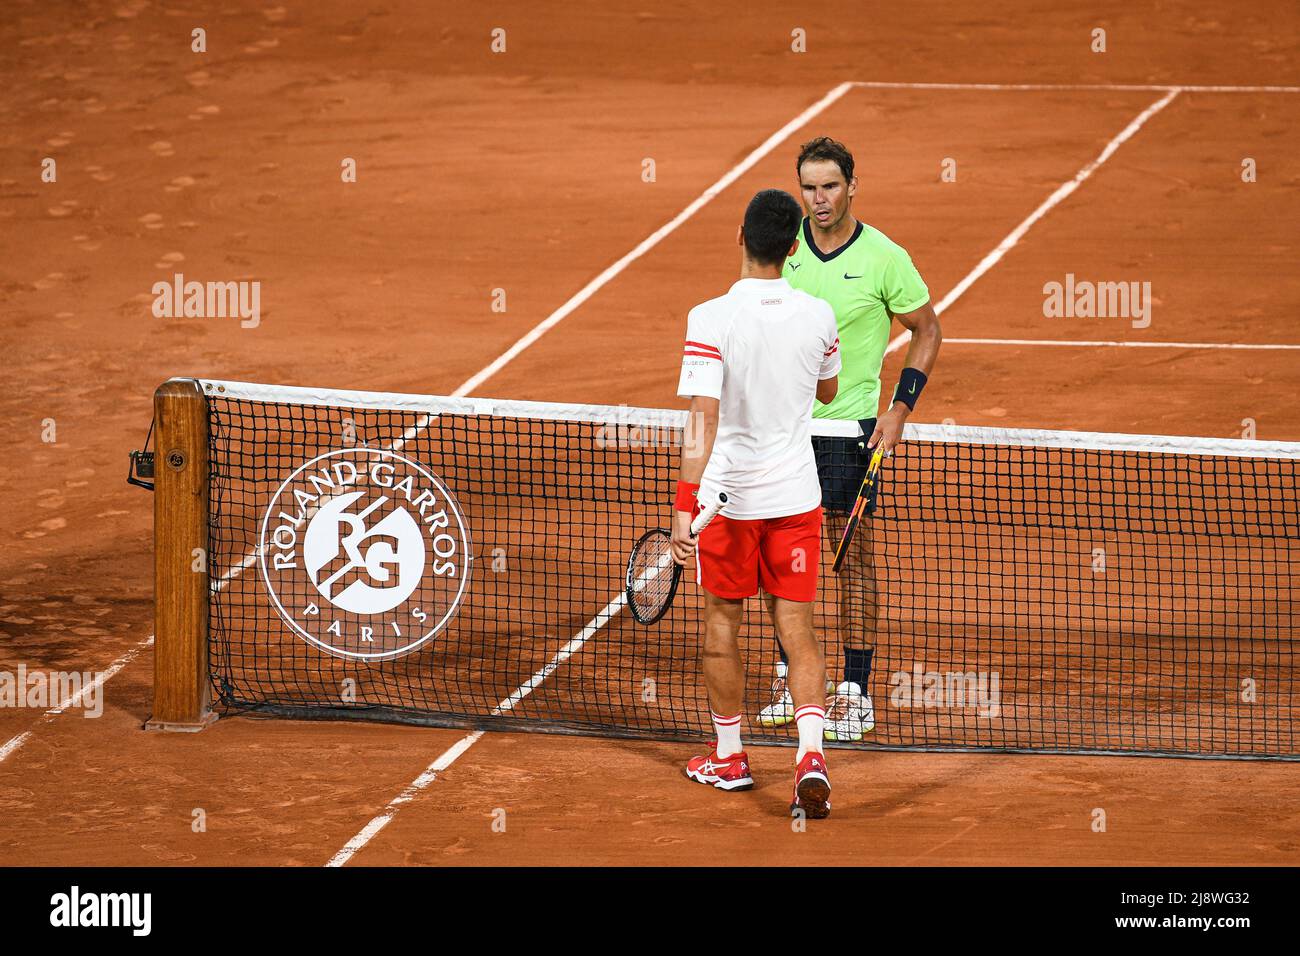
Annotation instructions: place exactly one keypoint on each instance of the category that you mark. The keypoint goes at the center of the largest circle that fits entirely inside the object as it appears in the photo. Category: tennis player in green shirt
(869, 281)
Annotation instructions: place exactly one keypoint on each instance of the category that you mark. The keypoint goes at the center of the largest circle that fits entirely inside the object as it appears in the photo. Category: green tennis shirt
(866, 280)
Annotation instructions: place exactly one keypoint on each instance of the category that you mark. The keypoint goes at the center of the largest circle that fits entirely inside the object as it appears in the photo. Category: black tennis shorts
(841, 466)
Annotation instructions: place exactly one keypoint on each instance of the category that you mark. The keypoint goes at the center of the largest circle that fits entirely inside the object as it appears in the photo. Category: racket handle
(704, 517)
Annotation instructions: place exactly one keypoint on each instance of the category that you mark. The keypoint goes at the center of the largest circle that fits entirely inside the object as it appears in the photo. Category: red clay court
(486, 177)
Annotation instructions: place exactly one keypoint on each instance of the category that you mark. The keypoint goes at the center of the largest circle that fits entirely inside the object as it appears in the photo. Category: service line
(1047, 205)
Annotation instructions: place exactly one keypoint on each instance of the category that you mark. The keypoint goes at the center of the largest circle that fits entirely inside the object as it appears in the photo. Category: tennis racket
(652, 574)
(859, 506)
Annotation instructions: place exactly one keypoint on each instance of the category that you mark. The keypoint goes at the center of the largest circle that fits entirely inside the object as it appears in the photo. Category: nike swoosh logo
(847, 276)
(912, 390)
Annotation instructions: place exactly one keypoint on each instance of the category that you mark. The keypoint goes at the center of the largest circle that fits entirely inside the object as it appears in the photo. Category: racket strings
(650, 574)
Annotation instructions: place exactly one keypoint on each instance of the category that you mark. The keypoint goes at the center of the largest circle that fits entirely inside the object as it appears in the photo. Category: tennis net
(460, 562)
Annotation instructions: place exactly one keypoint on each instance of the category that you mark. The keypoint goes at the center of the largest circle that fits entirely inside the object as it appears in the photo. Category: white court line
(1122, 87)
(1124, 345)
(1016, 234)
(371, 829)
(236, 569)
(592, 287)
(14, 743)
(452, 753)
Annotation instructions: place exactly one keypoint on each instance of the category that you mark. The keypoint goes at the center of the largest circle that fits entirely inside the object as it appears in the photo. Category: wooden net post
(180, 530)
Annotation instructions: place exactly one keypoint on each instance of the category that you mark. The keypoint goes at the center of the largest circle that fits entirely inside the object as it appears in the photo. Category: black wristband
(909, 387)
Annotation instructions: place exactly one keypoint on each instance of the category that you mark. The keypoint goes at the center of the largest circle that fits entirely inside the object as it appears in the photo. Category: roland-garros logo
(364, 553)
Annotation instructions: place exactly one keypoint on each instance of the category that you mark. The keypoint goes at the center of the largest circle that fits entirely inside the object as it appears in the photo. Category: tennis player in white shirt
(755, 358)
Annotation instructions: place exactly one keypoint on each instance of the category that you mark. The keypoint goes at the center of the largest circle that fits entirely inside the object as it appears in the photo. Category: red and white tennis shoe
(812, 787)
(725, 773)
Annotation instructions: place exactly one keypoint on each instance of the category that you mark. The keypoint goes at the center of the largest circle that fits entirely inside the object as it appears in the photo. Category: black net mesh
(1014, 597)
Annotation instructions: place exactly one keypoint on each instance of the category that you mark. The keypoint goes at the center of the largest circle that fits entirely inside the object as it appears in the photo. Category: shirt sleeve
(702, 358)
(903, 289)
(831, 362)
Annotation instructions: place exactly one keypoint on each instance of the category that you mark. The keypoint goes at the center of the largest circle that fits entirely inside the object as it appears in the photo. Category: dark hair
(823, 148)
(771, 225)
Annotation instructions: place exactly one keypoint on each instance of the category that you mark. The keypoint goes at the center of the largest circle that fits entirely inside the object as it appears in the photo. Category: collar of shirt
(761, 285)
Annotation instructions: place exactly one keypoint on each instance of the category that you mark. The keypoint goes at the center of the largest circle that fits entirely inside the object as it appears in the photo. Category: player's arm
(927, 336)
(921, 354)
(906, 296)
(697, 443)
(827, 389)
(701, 382)
(828, 377)
(697, 446)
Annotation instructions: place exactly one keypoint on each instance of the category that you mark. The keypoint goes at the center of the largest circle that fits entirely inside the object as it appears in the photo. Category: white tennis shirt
(760, 350)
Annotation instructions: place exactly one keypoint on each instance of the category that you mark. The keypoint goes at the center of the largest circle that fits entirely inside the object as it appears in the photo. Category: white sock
(811, 720)
(728, 730)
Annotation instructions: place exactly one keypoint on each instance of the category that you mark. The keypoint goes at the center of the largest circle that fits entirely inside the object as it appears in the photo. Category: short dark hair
(825, 148)
(771, 226)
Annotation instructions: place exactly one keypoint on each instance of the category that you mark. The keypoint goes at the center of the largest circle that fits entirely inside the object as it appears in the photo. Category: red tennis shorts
(734, 557)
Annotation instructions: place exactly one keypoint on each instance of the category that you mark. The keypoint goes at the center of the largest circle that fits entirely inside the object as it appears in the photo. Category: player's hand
(683, 543)
(889, 428)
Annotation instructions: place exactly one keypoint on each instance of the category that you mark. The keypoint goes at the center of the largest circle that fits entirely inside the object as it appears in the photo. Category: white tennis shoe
(780, 711)
(849, 714)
